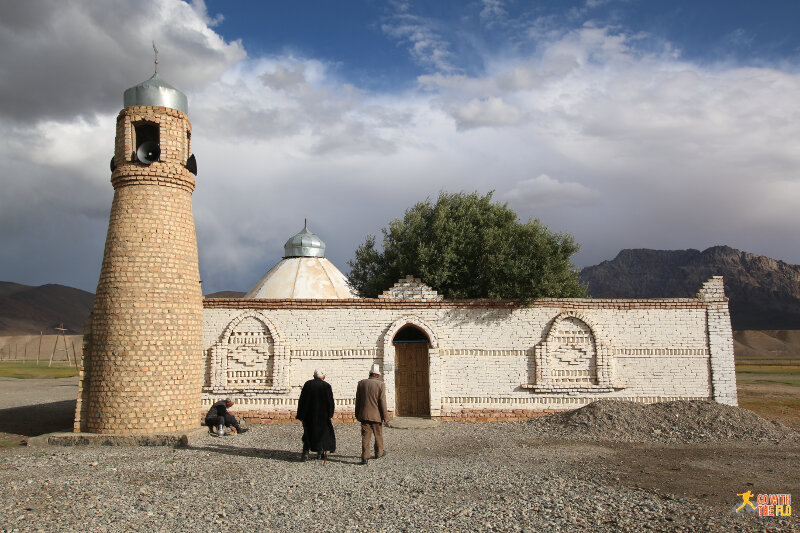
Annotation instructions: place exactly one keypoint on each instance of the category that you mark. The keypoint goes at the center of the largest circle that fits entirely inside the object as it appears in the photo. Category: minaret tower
(143, 365)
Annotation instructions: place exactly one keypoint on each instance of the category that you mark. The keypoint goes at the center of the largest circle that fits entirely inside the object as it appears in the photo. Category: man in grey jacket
(371, 412)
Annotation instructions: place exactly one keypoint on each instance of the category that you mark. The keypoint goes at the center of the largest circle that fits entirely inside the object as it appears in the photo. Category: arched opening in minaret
(146, 142)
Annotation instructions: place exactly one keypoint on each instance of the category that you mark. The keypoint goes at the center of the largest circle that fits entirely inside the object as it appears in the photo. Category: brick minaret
(142, 368)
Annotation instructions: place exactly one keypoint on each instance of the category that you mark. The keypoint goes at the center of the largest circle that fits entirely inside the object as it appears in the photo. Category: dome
(302, 278)
(303, 273)
(156, 92)
(304, 244)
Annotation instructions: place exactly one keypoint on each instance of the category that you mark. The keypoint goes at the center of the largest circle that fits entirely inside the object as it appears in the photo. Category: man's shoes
(245, 430)
(304, 457)
(212, 431)
(382, 455)
(364, 461)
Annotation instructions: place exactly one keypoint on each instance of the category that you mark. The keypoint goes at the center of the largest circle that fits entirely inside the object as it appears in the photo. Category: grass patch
(785, 370)
(761, 381)
(771, 389)
(11, 443)
(768, 361)
(783, 410)
(31, 370)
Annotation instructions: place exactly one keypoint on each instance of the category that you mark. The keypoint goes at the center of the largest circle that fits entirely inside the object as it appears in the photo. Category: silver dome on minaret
(156, 92)
(304, 244)
(303, 273)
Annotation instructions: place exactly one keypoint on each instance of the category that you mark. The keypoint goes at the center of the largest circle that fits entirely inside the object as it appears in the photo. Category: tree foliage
(466, 246)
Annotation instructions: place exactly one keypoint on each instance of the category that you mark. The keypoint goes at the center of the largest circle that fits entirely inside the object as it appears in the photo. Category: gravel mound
(668, 422)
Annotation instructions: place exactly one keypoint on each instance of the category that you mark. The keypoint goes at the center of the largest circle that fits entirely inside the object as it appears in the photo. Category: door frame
(434, 363)
(426, 368)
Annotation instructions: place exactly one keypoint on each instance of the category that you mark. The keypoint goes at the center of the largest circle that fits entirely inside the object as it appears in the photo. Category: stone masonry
(488, 360)
(142, 370)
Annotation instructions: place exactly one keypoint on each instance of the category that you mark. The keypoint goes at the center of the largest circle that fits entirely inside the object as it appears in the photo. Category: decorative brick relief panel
(249, 357)
(572, 358)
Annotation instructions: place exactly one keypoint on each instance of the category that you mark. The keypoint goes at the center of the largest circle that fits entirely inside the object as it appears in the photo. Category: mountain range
(764, 293)
(29, 310)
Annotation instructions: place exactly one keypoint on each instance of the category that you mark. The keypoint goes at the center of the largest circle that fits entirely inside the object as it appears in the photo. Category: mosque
(153, 344)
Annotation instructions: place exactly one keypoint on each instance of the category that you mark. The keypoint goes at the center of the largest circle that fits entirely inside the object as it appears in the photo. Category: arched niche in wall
(249, 357)
(572, 357)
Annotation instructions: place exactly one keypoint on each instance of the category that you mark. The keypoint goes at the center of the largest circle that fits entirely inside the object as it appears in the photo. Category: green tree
(466, 246)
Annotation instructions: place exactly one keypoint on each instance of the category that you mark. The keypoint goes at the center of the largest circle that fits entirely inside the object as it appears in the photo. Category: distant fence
(30, 348)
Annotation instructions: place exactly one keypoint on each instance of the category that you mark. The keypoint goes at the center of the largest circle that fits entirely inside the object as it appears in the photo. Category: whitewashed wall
(482, 357)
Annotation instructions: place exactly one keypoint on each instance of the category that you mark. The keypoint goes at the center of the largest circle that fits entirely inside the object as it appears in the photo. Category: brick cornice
(374, 303)
(164, 174)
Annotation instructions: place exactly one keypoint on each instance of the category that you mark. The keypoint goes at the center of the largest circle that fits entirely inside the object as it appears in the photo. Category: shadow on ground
(280, 455)
(32, 420)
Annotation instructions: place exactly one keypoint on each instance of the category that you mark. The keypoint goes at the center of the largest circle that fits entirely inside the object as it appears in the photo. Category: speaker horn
(191, 165)
(148, 152)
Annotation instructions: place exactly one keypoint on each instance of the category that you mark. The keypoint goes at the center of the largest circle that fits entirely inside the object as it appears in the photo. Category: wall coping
(375, 303)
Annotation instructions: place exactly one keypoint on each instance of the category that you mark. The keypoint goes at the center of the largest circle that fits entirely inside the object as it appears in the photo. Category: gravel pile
(667, 422)
(454, 477)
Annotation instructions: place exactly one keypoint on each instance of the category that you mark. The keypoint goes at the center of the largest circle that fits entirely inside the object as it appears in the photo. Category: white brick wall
(484, 358)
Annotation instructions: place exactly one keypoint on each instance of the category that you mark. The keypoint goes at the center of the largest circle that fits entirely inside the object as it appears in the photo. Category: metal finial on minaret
(305, 223)
(156, 51)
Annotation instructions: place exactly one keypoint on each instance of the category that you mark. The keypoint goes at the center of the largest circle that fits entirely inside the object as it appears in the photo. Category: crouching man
(218, 418)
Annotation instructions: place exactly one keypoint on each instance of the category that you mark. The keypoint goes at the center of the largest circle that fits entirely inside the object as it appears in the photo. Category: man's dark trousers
(226, 420)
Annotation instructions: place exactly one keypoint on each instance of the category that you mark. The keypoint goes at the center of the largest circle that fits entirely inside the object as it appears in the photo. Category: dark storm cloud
(63, 69)
(63, 58)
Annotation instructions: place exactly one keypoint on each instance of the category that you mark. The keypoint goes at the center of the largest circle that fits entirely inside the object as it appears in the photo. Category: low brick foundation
(283, 416)
(494, 415)
(449, 415)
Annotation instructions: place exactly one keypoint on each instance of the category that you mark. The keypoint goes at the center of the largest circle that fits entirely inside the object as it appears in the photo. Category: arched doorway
(412, 382)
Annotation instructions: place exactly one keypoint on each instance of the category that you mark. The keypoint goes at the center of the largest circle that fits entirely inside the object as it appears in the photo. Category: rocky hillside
(226, 294)
(29, 310)
(764, 293)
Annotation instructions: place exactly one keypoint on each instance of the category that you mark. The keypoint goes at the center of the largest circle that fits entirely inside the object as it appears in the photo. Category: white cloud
(426, 45)
(544, 191)
(65, 57)
(491, 111)
(626, 148)
(493, 12)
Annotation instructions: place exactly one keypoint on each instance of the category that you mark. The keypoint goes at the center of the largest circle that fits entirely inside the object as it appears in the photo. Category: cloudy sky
(630, 124)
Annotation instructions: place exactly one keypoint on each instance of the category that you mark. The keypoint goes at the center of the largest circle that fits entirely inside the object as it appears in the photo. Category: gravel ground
(453, 477)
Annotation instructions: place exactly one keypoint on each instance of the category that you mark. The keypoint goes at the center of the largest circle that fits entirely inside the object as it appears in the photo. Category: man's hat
(376, 369)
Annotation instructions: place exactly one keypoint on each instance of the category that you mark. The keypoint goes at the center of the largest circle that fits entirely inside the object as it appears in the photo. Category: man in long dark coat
(315, 410)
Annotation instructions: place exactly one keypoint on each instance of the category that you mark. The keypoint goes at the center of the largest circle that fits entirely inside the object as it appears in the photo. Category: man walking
(371, 412)
(315, 409)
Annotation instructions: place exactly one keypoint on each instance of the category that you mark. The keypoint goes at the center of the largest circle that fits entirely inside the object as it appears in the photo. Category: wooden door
(411, 378)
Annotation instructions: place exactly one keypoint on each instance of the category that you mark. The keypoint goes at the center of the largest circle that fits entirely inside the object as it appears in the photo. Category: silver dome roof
(156, 92)
(304, 244)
